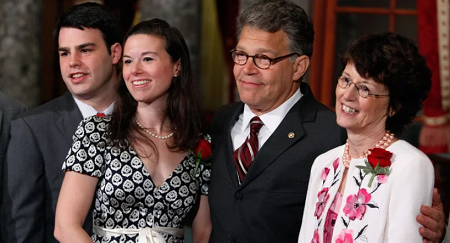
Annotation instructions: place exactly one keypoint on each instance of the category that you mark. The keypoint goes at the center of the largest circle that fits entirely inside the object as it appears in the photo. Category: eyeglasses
(363, 90)
(260, 60)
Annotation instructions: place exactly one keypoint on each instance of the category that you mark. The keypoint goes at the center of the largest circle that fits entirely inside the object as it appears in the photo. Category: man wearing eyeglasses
(265, 145)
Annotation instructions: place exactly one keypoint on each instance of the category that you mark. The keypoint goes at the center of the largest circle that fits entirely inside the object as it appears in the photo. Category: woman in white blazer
(371, 189)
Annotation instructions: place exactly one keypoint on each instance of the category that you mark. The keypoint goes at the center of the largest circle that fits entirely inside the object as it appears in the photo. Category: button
(238, 196)
(232, 239)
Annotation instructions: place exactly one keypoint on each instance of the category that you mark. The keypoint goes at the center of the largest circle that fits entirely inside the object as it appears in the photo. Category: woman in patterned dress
(137, 165)
(372, 188)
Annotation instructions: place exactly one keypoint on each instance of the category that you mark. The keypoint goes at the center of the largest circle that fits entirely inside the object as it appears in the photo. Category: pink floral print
(316, 238)
(335, 163)
(325, 173)
(345, 236)
(382, 178)
(355, 208)
(322, 200)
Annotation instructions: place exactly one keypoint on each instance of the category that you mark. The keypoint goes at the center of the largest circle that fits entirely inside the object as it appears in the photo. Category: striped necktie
(244, 155)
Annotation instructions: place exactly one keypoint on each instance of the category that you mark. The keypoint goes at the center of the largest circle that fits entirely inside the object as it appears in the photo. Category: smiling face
(86, 66)
(265, 89)
(147, 68)
(358, 114)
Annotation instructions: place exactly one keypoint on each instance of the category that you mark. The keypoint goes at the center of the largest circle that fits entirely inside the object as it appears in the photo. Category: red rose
(203, 150)
(379, 155)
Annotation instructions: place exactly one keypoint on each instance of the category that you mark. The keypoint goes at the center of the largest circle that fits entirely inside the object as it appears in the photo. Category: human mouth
(77, 77)
(349, 110)
(140, 82)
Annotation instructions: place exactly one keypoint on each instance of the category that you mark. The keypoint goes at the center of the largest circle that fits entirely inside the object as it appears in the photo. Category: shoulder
(328, 157)
(406, 156)
(227, 110)
(8, 104)
(94, 124)
(47, 111)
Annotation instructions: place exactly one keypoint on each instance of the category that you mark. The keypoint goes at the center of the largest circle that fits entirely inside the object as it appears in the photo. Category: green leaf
(371, 180)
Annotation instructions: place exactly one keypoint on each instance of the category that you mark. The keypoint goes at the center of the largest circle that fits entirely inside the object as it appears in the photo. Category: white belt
(146, 235)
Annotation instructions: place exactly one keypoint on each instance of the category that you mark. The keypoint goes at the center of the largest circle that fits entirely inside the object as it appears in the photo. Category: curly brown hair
(394, 61)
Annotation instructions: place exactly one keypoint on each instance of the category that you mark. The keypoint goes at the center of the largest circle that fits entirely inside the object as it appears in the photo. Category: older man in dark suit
(265, 145)
(89, 50)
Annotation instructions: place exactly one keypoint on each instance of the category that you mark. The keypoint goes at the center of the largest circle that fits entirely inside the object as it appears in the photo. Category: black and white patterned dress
(126, 196)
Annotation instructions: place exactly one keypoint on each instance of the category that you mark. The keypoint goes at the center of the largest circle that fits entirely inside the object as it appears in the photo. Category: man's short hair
(274, 15)
(94, 16)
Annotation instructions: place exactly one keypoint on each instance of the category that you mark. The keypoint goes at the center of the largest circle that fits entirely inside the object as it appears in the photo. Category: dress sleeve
(205, 171)
(412, 188)
(86, 155)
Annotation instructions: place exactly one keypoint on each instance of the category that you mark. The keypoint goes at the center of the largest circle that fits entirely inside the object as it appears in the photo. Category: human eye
(240, 55)
(345, 79)
(63, 53)
(147, 59)
(126, 61)
(263, 59)
(364, 90)
(85, 50)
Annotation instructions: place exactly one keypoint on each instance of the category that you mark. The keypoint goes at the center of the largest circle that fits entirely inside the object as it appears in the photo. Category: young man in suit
(89, 51)
(258, 189)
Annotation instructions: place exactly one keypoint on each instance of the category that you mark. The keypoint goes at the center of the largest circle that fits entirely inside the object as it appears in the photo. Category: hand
(433, 220)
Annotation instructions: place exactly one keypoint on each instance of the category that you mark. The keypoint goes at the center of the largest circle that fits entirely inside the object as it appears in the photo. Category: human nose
(74, 60)
(136, 69)
(351, 92)
(250, 66)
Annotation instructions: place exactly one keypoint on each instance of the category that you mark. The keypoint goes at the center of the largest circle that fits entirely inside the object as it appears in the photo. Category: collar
(273, 118)
(87, 110)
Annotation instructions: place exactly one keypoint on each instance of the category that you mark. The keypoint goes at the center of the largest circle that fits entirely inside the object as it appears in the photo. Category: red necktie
(100, 114)
(244, 155)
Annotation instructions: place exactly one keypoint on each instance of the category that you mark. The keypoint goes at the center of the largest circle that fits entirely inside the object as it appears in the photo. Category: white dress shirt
(87, 110)
(271, 121)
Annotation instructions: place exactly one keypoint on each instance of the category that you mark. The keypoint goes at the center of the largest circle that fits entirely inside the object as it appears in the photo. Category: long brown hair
(183, 104)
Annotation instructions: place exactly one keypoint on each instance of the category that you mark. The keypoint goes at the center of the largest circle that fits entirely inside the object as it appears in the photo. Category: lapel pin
(291, 135)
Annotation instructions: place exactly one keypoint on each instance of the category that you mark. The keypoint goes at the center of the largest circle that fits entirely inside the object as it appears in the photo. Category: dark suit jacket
(9, 109)
(268, 205)
(40, 140)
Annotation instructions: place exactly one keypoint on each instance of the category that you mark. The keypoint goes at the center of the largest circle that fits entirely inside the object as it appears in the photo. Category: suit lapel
(229, 161)
(70, 116)
(289, 132)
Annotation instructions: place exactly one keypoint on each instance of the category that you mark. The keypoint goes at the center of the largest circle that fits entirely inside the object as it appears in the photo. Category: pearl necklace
(383, 143)
(153, 135)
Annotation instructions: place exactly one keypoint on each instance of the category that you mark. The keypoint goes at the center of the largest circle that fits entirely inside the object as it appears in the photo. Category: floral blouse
(385, 211)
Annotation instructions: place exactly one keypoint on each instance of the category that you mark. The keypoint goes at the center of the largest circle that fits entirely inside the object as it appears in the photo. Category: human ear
(116, 52)
(301, 65)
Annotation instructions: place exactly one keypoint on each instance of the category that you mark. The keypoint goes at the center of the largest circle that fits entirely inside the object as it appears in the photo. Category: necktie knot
(255, 125)
(100, 114)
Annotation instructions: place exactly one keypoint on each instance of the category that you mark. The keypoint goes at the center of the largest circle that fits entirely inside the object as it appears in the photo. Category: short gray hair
(273, 15)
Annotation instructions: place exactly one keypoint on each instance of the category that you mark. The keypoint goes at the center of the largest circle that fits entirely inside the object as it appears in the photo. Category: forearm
(70, 233)
(74, 201)
(201, 226)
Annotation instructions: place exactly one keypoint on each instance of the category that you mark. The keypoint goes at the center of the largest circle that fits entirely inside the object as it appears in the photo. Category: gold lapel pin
(291, 135)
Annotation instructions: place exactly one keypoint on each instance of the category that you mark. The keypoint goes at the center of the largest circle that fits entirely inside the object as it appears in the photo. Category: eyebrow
(77, 47)
(143, 54)
(259, 50)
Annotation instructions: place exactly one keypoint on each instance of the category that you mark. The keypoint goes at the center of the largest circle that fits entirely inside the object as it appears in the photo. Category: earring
(175, 76)
(391, 113)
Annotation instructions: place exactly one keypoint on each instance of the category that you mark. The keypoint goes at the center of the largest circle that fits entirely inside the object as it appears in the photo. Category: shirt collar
(87, 110)
(273, 118)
